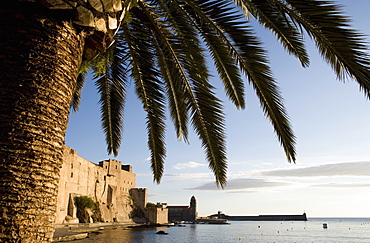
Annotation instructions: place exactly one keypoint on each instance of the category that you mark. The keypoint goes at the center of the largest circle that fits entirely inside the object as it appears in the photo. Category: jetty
(284, 217)
(206, 220)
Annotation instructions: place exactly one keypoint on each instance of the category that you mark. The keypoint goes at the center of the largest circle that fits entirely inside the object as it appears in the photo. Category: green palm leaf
(169, 60)
(110, 73)
(225, 65)
(149, 90)
(272, 16)
(162, 44)
(246, 50)
(207, 123)
(342, 47)
(81, 78)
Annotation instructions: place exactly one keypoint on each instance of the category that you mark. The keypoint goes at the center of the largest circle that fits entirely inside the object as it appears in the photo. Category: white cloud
(146, 175)
(342, 185)
(338, 169)
(267, 163)
(155, 195)
(190, 164)
(242, 184)
(191, 175)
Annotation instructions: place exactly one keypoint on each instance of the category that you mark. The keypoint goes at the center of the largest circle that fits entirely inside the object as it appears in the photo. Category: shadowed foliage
(162, 45)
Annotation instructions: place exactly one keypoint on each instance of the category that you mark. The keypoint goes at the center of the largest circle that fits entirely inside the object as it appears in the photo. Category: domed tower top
(193, 209)
(193, 201)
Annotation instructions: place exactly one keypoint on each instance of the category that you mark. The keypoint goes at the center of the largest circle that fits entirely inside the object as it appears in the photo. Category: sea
(347, 230)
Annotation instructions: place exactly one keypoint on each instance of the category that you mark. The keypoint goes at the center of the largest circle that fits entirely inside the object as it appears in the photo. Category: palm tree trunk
(40, 53)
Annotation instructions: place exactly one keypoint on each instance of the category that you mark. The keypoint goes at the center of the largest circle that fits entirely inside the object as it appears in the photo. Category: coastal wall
(108, 184)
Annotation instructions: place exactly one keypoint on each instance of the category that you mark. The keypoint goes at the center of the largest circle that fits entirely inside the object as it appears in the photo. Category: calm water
(339, 230)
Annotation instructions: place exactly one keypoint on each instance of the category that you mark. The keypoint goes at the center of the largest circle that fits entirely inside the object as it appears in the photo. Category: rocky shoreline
(69, 232)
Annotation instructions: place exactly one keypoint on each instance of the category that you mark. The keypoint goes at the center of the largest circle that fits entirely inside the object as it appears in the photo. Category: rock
(71, 237)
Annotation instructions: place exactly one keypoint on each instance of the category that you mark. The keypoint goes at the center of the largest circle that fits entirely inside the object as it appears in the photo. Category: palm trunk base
(40, 54)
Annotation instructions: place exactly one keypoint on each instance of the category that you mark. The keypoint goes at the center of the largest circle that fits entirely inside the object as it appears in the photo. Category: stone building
(108, 183)
(183, 213)
(154, 215)
(158, 214)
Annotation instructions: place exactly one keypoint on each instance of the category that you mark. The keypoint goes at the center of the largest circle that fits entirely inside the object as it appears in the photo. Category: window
(71, 174)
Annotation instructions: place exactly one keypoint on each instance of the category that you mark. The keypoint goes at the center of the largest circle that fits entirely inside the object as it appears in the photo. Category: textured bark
(101, 16)
(40, 52)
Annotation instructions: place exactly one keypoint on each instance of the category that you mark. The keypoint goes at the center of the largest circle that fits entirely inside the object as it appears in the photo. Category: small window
(71, 165)
(116, 167)
(71, 174)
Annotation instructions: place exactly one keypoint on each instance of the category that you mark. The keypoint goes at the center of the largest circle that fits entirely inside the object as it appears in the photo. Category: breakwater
(297, 217)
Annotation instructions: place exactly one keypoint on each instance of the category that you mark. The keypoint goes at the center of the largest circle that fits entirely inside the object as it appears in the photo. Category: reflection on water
(137, 235)
(339, 230)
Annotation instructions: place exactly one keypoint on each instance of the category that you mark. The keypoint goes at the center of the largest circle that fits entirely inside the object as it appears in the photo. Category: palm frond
(224, 63)
(247, 51)
(207, 121)
(342, 47)
(81, 78)
(160, 41)
(171, 70)
(149, 90)
(206, 110)
(270, 15)
(111, 85)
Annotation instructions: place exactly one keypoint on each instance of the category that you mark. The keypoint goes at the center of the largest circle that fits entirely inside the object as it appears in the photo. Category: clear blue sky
(331, 120)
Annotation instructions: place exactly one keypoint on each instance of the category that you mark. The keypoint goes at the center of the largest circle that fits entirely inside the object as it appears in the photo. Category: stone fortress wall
(109, 183)
(157, 214)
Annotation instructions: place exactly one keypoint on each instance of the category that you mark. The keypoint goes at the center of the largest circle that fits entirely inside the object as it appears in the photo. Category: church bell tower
(193, 209)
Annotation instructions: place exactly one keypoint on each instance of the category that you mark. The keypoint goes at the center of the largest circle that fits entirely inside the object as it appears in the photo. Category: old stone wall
(108, 183)
(157, 215)
(140, 197)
